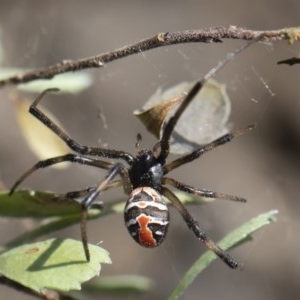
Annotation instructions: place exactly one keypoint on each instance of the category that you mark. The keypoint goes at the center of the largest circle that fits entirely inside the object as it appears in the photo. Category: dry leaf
(154, 117)
(203, 121)
(40, 139)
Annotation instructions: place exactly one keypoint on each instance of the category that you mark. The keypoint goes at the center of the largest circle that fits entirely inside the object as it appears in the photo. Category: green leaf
(26, 203)
(120, 284)
(30, 203)
(233, 239)
(50, 226)
(67, 83)
(60, 212)
(52, 264)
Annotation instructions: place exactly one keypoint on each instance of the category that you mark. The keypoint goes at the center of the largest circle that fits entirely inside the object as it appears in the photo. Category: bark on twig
(207, 35)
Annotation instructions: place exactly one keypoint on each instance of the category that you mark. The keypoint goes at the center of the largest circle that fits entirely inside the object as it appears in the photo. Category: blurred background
(262, 166)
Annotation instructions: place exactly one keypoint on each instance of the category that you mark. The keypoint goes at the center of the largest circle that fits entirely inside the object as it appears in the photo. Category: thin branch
(207, 35)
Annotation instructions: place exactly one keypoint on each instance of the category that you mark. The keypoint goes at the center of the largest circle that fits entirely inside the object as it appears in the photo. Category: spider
(143, 178)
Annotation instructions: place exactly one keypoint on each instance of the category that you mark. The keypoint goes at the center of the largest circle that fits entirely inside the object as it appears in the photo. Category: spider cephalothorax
(143, 178)
(145, 170)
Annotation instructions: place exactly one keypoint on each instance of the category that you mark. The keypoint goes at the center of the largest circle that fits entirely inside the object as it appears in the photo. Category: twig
(207, 35)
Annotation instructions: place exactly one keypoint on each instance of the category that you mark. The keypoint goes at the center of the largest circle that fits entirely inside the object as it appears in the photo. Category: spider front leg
(73, 158)
(164, 143)
(81, 149)
(206, 148)
(194, 226)
(89, 199)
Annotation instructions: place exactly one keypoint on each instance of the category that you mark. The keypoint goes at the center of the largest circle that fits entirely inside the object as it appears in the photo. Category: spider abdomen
(146, 217)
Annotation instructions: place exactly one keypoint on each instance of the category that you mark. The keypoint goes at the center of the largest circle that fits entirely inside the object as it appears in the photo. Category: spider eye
(146, 217)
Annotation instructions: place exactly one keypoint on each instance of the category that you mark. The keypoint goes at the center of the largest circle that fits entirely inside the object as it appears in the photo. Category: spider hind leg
(199, 233)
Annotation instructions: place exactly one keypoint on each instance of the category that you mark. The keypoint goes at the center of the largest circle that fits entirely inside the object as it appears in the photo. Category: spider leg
(208, 147)
(84, 192)
(170, 125)
(84, 150)
(200, 192)
(165, 140)
(89, 199)
(200, 234)
(78, 193)
(74, 158)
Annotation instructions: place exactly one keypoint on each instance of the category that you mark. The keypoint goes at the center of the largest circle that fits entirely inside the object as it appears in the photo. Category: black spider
(144, 179)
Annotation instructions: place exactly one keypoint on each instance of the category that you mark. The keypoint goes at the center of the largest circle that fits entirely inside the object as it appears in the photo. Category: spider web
(262, 166)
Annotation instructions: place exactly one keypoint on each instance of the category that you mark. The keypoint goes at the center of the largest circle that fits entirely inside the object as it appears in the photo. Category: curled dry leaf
(40, 139)
(154, 117)
(204, 120)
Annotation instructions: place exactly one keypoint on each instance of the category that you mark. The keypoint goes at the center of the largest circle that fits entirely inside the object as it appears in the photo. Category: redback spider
(144, 179)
